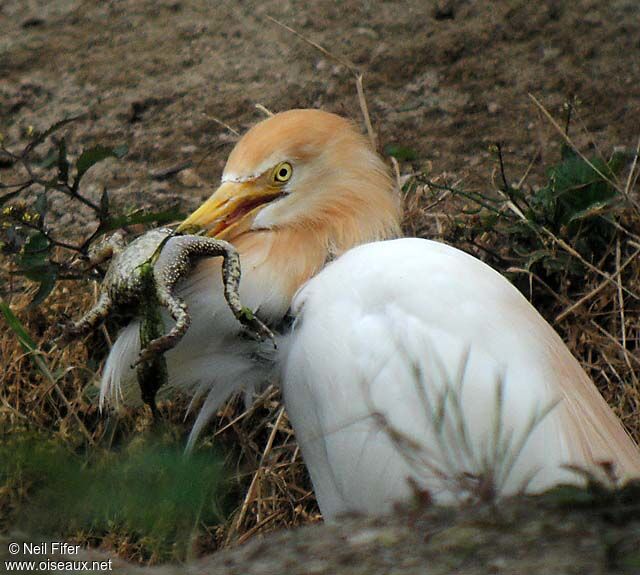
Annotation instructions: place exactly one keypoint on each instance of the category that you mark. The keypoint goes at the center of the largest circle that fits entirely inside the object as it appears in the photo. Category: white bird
(409, 364)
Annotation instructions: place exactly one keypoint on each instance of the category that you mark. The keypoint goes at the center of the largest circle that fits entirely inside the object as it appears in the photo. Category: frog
(149, 268)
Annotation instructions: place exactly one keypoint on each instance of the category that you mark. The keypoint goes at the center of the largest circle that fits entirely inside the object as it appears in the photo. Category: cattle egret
(408, 362)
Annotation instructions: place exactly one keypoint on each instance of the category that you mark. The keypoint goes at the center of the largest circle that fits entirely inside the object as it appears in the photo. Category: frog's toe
(73, 329)
(261, 331)
(254, 327)
(144, 356)
(65, 333)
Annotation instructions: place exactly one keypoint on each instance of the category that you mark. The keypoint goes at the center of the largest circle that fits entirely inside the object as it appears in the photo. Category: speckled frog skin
(157, 260)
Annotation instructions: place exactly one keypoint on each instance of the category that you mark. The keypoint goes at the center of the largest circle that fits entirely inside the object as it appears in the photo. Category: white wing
(467, 381)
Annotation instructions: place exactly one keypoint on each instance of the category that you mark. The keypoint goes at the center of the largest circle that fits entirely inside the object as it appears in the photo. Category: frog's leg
(96, 315)
(231, 280)
(183, 251)
(179, 312)
(152, 373)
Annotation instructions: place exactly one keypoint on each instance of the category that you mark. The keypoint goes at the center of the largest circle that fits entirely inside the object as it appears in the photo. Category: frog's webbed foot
(94, 317)
(106, 249)
(179, 312)
(151, 376)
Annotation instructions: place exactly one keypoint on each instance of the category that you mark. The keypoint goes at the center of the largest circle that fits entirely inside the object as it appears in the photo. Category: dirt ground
(445, 79)
(527, 536)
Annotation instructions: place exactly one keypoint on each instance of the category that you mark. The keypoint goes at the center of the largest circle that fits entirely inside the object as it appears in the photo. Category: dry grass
(592, 300)
(596, 314)
(269, 482)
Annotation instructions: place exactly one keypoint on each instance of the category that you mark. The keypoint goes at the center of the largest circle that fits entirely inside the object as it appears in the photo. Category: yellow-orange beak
(231, 209)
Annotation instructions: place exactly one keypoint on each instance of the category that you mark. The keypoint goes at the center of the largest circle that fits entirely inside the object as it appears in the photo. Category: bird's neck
(277, 262)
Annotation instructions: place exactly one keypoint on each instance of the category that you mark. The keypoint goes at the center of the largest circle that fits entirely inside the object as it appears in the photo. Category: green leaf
(593, 210)
(536, 257)
(569, 496)
(44, 289)
(121, 151)
(35, 252)
(618, 161)
(50, 160)
(25, 340)
(471, 211)
(567, 152)
(402, 153)
(35, 265)
(489, 220)
(41, 205)
(104, 203)
(579, 188)
(93, 156)
(141, 217)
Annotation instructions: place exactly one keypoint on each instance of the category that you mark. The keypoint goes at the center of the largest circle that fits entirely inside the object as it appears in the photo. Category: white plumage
(409, 362)
(405, 328)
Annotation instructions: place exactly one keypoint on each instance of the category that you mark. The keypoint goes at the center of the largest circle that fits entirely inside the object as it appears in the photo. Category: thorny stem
(71, 191)
(22, 185)
(23, 158)
(506, 188)
(63, 188)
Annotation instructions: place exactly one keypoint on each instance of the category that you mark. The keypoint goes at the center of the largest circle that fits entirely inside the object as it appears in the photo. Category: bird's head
(303, 169)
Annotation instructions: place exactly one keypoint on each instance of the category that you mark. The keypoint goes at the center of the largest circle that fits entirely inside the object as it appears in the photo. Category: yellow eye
(282, 173)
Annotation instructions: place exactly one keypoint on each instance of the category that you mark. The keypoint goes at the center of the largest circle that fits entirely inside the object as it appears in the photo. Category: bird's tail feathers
(119, 382)
(239, 377)
(214, 374)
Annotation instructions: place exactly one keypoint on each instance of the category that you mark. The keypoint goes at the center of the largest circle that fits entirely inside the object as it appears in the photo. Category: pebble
(189, 178)
(66, 219)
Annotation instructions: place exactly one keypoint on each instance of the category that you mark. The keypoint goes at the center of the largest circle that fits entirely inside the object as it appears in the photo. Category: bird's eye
(282, 173)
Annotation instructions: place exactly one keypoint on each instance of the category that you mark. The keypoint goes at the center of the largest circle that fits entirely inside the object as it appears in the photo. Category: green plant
(150, 491)
(560, 228)
(62, 472)
(25, 235)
